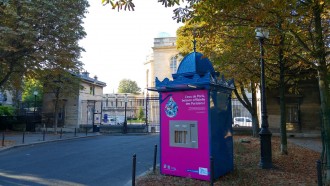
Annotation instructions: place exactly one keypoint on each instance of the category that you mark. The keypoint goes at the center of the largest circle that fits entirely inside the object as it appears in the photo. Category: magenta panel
(185, 148)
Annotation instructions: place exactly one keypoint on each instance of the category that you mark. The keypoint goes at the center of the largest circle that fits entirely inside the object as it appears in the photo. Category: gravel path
(309, 143)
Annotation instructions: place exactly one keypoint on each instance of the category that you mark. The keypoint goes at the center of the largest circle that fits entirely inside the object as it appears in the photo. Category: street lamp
(35, 93)
(125, 121)
(264, 134)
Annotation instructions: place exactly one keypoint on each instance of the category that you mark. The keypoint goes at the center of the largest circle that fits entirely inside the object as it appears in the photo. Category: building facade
(162, 63)
(77, 110)
(303, 110)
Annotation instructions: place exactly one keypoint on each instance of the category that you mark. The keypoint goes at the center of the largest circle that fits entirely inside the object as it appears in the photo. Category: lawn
(296, 168)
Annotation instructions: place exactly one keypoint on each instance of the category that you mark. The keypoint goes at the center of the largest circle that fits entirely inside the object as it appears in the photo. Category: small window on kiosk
(183, 134)
(180, 136)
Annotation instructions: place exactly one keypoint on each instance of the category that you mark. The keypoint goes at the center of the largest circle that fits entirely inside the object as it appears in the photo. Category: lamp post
(147, 95)
(125, 121)
(264, 134)
(116, 104)
(35, 93)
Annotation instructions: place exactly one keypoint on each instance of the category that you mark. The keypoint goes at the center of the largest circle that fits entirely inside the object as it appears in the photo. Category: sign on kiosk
(184, 117)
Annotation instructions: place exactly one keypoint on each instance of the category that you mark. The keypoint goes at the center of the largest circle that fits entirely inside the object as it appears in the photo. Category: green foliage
(30, 87)
(7, 110)
(39, 34)
(141, 114)
(60, 83)
(128, 86)
(120, 4)
(181, 14)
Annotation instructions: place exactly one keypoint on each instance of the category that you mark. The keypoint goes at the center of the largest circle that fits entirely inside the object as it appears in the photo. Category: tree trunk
(284, 143)
(56, 110)
(252, 108)
(254, 113)
(322, 80)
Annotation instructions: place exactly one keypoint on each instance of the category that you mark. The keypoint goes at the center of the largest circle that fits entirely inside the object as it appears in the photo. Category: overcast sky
(117, 43)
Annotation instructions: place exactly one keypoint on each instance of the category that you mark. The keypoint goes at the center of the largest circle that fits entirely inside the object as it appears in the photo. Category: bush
(141, 114)
(6, 111)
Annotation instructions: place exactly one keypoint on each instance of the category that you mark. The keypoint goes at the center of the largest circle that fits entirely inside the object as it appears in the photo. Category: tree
(31, 85)
(141, 114)
(313, 19)
(62, 85)
(37, 34)
(128, 86)
(302, 28)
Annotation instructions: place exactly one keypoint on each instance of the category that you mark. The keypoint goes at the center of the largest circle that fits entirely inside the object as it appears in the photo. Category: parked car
(120, 120)
(242, 122)
(109, 121)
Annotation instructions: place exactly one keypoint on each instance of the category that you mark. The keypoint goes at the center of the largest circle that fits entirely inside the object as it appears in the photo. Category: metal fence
(101, 113)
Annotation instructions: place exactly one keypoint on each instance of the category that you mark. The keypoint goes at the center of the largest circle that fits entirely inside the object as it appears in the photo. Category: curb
(46, 141)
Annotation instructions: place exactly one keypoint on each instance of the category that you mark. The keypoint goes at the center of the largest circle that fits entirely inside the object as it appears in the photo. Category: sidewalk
(15, 139)
(314, 144)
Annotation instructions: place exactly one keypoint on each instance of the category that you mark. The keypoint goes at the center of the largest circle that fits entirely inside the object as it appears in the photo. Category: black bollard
(319, 172)
(3, 139)
(75, 132)
(44, 136)
(155, 159)
(134, 170)
(86, 131)
(61, 133)
(211, 171)
(23, 137)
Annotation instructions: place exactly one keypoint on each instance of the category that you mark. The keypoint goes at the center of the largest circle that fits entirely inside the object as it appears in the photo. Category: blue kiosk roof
(194, 72)
(194, 63)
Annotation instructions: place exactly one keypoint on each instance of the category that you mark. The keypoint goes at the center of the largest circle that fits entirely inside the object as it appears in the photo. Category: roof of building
(85, 77)
(163, 34)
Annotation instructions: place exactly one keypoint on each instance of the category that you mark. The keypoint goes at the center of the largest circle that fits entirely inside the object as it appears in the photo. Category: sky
(117, 43)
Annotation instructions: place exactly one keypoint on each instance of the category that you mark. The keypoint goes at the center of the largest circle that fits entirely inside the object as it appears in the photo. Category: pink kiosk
(195, 121)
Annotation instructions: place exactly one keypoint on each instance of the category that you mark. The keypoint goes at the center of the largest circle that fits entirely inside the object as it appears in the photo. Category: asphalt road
(101, 160)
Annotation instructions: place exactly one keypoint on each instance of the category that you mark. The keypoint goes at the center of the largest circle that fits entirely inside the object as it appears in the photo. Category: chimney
(85, 74)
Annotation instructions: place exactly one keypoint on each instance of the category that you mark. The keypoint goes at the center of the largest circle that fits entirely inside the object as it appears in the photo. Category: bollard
(319, 172)
(61, 133)
(75, 132)
(44, 135)
(134, 170)
(86, 131)
(211, 171)
(3, 139)
(155, 159)
(23, 137)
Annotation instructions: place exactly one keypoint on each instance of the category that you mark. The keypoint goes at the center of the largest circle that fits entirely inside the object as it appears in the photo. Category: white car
(109, 121)
(242, 122)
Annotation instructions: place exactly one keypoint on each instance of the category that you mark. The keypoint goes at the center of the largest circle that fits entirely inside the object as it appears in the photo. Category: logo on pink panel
(171, 108)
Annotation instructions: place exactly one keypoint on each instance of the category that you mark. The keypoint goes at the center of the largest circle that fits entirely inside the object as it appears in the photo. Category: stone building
(303, 110)
(78, 110)
(162, 62)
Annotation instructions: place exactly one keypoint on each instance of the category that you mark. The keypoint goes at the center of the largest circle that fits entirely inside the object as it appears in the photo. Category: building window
(92, 90)
(292, 113)
(147, 77)
(173, 64)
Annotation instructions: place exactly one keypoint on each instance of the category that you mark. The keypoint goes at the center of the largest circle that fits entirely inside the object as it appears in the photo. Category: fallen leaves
(296, 168)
